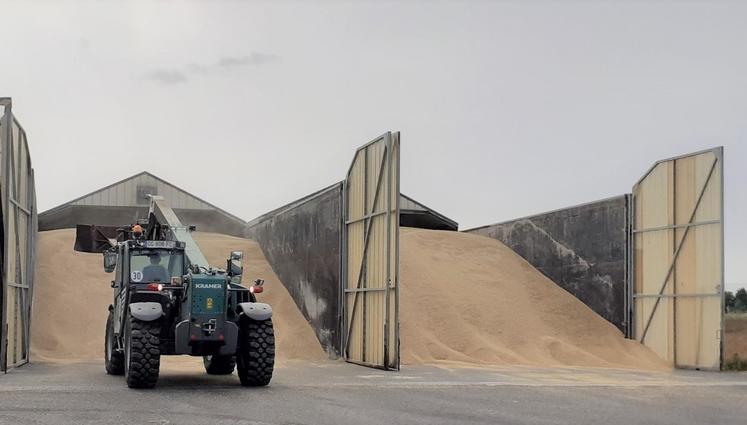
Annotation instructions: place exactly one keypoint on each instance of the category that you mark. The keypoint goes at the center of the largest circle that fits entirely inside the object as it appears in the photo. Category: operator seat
(155, 273)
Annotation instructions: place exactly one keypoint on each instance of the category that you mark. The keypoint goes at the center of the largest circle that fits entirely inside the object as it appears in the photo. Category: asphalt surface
(340, 393)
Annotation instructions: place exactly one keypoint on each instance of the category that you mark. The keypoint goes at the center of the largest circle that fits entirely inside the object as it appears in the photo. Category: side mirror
(110, 261)
(235, 267)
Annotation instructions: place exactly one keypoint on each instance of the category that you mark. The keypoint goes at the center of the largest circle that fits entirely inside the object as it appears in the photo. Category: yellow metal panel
(657, 338)
(393, 295)
(654, 198)
(371, 184)
(23, 236)
(11, 312)
(698, 318)
(22, 173)
(354, 254)
(375, 262)
(18, 220)
(19, 324)
(712, 202)
(653, 256)
(698, 269)
(11, 255)
(677, 215)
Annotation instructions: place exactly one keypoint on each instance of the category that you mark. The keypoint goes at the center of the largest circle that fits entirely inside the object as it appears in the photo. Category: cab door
(121, 283)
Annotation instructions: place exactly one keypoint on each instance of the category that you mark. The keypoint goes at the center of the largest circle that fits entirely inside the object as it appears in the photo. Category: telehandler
(167, 300)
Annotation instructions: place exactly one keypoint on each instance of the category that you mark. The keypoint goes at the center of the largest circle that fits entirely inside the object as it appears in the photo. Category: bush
(736, 363)
(735, 302)
(729, 301)
(740, 300)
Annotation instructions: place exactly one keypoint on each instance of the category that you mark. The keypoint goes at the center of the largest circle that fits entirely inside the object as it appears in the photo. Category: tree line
(736, 302)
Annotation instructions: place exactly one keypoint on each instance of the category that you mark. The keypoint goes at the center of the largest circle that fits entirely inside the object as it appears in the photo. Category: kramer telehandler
(168, 301)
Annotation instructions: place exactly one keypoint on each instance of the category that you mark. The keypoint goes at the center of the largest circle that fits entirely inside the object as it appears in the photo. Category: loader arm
(162, 219)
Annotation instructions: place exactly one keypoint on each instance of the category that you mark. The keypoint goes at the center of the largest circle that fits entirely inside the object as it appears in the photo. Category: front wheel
(142, 353)
(255, 359)
(113, 358)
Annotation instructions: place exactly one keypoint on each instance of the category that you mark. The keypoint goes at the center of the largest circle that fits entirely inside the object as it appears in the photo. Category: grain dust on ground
(470, 299)
(72, 292)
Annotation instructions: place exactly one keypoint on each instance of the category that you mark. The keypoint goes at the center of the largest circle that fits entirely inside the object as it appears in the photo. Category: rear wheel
(255, 359)
(142, 353)
(219, 365)
(113, 359)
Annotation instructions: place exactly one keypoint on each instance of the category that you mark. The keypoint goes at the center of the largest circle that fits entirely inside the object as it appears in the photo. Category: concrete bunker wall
(301, 241)
(584, 249)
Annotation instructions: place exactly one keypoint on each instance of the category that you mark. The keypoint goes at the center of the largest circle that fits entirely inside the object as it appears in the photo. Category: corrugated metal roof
(131, 191)
(408, 204)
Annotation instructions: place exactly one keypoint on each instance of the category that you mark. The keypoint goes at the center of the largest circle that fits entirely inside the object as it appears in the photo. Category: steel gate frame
(718, 163)
(389, 163)
(12, 206)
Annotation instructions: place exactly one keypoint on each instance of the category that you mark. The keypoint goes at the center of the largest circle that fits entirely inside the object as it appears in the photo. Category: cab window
(148, 266)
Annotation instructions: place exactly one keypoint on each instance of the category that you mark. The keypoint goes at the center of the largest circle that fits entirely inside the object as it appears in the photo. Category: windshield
(156, 265)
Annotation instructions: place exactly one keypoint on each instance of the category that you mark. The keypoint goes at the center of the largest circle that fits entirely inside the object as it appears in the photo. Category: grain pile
(72, 293)
(465, 300)
(470, 299)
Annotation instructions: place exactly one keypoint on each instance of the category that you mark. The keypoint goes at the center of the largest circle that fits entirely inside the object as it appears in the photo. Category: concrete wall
(301, 241)
(583, 249)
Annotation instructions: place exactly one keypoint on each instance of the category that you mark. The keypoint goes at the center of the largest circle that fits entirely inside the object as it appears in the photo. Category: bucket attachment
(93, 238)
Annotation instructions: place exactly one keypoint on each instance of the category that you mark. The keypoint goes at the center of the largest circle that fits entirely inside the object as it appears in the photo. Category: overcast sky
(506, 108)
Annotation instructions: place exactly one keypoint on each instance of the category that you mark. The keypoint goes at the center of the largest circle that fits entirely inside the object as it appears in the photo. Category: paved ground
(340, 393)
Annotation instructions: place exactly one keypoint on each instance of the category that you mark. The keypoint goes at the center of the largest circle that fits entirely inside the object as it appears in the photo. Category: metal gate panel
(371, 255)
(678, 259)
(18, 242)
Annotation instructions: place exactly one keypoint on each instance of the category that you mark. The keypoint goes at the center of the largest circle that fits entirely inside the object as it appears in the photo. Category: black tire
(255, 359)
(113, 359)
(142, 353)
(219, 365)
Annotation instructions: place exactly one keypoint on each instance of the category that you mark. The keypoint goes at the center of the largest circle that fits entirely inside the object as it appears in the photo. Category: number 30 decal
(136, 276)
